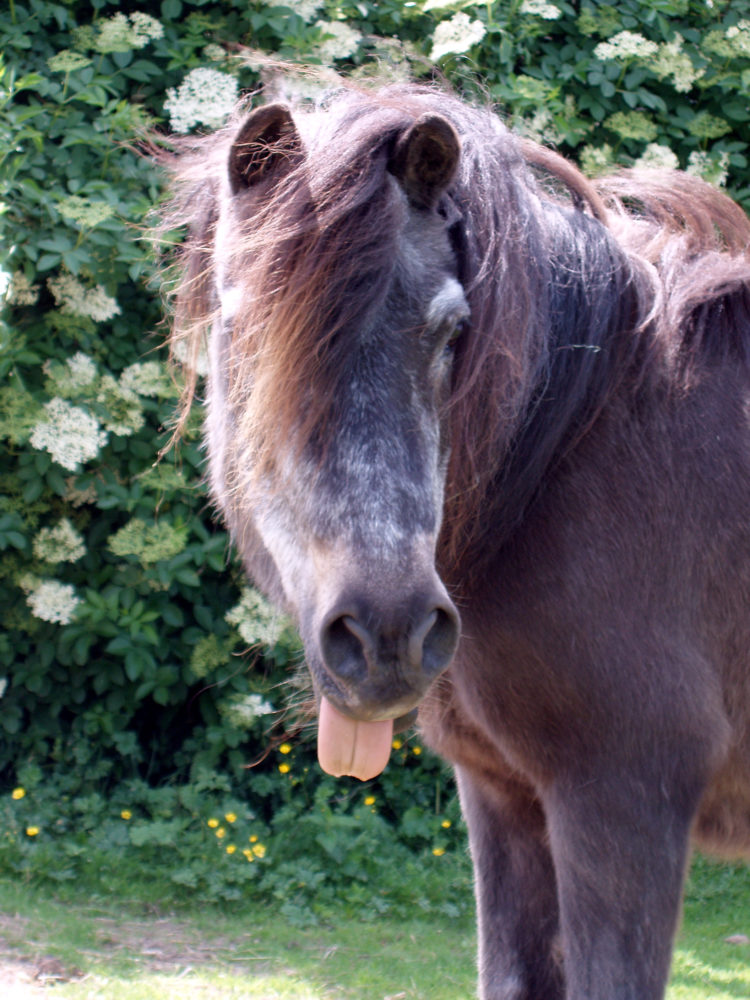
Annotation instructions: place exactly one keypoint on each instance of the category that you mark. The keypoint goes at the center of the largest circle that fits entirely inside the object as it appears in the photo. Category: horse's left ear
(267, 143)
(425, 159)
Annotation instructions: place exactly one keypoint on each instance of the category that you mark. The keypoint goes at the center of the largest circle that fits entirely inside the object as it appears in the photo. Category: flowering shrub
(124, 619)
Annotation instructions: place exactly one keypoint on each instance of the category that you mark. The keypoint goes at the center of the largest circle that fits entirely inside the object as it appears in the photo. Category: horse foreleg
(515, 890)
(620, 847)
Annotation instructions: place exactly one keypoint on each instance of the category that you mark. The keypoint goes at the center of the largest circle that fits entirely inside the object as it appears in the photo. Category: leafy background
(139, 674)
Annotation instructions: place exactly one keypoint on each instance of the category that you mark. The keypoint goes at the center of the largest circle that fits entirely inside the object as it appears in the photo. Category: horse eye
(455, 335)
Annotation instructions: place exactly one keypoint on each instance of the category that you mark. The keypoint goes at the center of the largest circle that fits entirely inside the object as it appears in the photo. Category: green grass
(137, 948)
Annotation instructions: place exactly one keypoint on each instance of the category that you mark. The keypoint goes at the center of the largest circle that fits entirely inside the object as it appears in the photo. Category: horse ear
(425, 159)
(267, 143)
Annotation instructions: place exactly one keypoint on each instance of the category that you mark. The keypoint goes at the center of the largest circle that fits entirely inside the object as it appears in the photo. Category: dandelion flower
(32, 831)
(259, 850)
(370, 800)
(231, 848)
(284, 768)
(221, 832)
(126, 814)
(438, 851)
(230, 817)
(416, 751)
(397, 744)
(213, 823)
(249, 854)
(253, 838)
(285, 748)
(18, 793)
(446, 824)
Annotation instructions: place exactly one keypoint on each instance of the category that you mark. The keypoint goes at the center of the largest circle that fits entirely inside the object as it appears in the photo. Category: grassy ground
(119, 950)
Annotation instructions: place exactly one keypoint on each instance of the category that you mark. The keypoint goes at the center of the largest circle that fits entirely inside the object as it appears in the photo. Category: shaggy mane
(574, 286)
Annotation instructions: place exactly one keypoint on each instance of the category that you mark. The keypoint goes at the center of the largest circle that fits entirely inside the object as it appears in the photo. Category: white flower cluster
(658, 157)
(124, 413)
(597, 160)
(255, 619)
(341, 40)
(70, 434)
(52, 601)
(148, 378)
(205, 97)
(243, 710)
(712, 167)
(672, 61)
(67, 61)
(305, 8)
(83, 211)
(72, 378)
(626, 45)
(121, 33)
(540, 8)
(20, 292)
(73, 297)
(456, 35)
(739, 37)
(61, 543)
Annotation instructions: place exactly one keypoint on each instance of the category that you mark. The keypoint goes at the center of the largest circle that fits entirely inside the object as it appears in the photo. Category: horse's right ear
(268, 143)
(425, 159)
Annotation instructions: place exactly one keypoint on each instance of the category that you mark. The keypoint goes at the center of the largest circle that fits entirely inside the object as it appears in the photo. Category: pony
(481, 426)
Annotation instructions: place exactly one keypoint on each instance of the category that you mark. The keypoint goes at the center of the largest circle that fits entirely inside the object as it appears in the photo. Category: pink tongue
(346, 746)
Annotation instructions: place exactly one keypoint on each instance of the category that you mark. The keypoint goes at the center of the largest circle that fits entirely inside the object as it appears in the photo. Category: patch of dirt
(163, 945)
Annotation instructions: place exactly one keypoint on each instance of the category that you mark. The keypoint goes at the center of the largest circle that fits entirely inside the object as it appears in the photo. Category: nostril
(439, 633)
(344, 642)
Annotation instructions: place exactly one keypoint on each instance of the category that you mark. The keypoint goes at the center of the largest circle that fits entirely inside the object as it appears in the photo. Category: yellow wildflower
(397, 744)
(126, 814)
(231, 848)
(32, 831)
(416, 751)
(249, 854)
(259, 851)
(370, 800)
(445, 824)
(438, 851)
(18, 793)
(253, 838)
(284, 768)
(221, 832)
(285, 748)
(230, 817)
(213, 823)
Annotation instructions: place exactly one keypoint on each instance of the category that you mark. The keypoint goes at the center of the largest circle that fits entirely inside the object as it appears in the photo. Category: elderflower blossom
(205, 97)
(121, 34)
(149, 543)
(242, 710)
(306, 9)
(74, 298)
(124, 413)
(83, 211)
(633, 125)
(53, 601)
(73, 377)
(70, 434)
(712, 167)
(340, 41)
(61, 543)
(255, 619)
(739, 37)
(672, 62)
(19, 290)
(658, 157)
(67, 61)
(540, 8)
(456, 35)
(147, 378)
(597, 160)
(626, 45)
